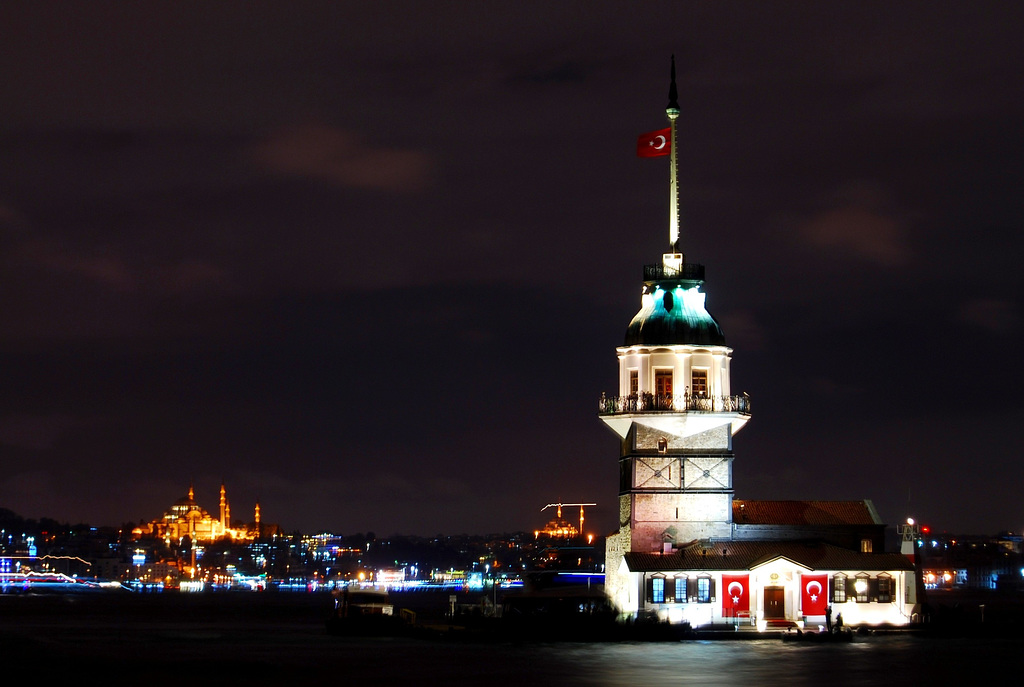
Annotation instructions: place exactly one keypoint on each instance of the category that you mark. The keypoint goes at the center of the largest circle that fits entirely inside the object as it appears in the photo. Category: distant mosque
(186, 518)
(559, 527)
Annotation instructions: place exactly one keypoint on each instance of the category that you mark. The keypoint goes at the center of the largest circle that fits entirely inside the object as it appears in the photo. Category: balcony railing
(667, 403)
(688, 270)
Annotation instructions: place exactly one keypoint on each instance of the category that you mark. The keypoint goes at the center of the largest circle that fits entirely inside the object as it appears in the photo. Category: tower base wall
(676, 518)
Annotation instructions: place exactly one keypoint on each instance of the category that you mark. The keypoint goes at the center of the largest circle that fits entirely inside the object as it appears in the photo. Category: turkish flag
(735, 593)
(814, 594)
(654, 143)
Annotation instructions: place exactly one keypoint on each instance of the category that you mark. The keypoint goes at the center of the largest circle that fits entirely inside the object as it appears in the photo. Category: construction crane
(559, 506)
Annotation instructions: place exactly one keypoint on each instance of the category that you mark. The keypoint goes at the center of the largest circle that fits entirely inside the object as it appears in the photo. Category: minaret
(256, 516)
(223, 508)
(675, 413)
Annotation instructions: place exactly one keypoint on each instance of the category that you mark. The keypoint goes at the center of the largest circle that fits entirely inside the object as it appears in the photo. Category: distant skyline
(374, 275)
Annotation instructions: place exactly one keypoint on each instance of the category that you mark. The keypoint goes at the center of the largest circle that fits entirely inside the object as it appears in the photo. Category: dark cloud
(994, 315)
(326, 153)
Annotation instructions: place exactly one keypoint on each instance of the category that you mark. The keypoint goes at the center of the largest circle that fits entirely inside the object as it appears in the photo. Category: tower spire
(673, 202)
(673, 103)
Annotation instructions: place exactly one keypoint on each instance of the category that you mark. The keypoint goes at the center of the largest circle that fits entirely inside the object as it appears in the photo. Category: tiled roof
(745, 555)
(804, 513)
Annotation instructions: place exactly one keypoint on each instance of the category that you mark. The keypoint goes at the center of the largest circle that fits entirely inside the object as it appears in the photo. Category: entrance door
(774, 603)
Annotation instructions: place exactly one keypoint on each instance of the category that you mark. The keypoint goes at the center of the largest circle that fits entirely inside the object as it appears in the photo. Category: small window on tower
(662, 444)
(699, 383)
(865, 546)
(634, 382)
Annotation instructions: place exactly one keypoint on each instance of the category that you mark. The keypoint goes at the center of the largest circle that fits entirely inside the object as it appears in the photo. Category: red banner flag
(654, 143)
(814, 594)
(735, 594)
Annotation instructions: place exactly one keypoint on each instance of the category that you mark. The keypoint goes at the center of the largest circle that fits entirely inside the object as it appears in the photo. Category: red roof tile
(804, 513)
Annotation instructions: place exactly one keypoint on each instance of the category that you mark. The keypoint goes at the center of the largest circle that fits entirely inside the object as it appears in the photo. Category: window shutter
(873, 589)
(691, 590)
(712, 591)
(650, 589)
(670, 590)
(851, 589)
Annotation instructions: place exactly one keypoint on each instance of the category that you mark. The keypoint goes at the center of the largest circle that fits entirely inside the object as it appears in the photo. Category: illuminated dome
(183, 506)
(559, 527)
(672, 312)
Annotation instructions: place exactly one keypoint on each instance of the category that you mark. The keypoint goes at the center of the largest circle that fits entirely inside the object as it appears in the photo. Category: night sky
(369, 262)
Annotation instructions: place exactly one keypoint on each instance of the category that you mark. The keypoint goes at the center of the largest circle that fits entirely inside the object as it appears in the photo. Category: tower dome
(672, 310)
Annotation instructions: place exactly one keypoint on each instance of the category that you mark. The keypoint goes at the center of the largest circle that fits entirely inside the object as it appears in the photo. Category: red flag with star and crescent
(735, 593)
(814, 594)
(654, 143)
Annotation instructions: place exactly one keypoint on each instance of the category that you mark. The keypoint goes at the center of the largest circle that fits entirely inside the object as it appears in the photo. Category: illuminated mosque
(686, 550)
(559, 527)
(186, 518)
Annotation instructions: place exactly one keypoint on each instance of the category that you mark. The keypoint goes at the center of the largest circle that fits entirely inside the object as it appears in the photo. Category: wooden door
(774, 603)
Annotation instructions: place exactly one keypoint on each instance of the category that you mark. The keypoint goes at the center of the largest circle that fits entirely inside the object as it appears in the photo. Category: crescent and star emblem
(659, 142)
(737, 593)
(817, 587)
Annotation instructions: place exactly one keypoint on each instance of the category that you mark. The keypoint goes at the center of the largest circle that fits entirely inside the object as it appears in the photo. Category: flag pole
(673, 113)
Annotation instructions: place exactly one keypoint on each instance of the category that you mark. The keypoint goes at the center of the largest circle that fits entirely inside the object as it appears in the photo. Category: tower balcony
(673, 403)
(686, 270)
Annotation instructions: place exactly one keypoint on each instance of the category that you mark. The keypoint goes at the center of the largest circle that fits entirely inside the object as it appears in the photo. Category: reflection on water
(213, 656)
(879, 660)
(888, 660)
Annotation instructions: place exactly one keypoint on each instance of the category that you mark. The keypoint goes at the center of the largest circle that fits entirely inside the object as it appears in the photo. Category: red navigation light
(925, 529)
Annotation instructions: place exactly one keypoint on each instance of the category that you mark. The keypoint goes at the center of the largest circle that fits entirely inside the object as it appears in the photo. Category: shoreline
(951, 615)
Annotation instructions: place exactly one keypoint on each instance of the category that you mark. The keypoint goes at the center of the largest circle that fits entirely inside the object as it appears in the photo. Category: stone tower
(675, 412)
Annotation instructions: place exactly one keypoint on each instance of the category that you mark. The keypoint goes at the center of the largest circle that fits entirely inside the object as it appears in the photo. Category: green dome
(673, 312)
